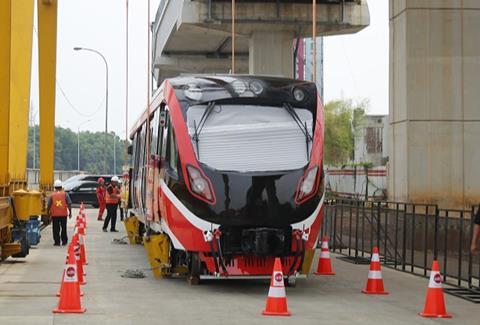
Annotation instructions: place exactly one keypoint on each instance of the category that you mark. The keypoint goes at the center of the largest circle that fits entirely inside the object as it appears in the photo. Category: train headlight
(256, 87)
(307, 184)
(199, 185)
(239, 87)
(193, 93)
(298, 94)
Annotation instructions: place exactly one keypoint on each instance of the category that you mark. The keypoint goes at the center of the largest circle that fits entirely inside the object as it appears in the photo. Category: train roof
(197, 89)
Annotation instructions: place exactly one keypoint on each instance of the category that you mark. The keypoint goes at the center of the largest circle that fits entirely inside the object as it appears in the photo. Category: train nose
(257, 241)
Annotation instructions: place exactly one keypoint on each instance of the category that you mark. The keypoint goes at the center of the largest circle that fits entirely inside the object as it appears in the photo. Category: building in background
(371, 141)
(309, 62)
(304, 62)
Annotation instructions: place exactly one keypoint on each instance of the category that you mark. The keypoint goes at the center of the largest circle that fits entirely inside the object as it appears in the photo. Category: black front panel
(250, 200)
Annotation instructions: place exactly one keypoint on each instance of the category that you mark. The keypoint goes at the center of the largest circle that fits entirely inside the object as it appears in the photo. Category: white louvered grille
(250, 138)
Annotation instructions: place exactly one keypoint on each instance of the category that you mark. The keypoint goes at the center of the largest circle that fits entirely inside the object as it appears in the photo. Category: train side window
(172, 150)
(161, 122)
(142, 163)
(154, 134)
(166, 126)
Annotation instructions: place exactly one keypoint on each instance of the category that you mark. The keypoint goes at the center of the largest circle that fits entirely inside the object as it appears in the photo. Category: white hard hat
(58, 183)
(114, 179)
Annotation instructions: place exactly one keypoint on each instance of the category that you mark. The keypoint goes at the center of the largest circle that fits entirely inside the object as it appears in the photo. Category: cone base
(83, 283)
(272, 313)
(435, 315)
(375, 292)
(324, 273)
(58, 294)
(72, 311)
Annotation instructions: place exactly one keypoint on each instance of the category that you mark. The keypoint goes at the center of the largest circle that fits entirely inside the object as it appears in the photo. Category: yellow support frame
(16, 29)
(47, 59)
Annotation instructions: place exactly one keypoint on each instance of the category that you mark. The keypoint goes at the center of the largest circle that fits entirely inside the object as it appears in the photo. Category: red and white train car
(231, 170)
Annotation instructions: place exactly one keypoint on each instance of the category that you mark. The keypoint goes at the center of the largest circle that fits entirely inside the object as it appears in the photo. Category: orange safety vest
(59, 206)
(109, 198)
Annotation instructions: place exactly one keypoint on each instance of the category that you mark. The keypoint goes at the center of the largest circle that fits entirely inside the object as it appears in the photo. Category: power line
(62, 91)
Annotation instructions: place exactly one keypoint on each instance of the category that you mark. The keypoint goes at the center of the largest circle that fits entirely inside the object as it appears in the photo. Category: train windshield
(247, 138)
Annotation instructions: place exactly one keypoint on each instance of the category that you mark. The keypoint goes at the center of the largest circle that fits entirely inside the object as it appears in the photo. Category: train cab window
(248, 138)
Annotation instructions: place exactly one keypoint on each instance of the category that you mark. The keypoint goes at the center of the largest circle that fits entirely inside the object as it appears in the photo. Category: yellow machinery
(17, 204)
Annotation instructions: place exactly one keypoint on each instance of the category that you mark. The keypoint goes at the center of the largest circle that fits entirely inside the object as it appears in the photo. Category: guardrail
(409, 236)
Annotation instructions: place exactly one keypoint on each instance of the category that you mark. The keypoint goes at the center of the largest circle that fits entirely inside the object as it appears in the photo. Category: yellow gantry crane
(17, 203)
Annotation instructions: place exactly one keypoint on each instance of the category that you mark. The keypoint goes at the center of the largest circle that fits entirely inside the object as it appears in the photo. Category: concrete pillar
(434, 102)
(271, 53)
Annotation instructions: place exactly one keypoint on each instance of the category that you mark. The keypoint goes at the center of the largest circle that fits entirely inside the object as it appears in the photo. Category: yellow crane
(17, 203)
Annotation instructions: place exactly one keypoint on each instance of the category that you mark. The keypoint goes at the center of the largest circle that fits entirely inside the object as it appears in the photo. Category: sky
(355, 66)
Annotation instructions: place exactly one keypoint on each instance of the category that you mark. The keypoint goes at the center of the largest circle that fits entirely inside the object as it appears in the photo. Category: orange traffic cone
(434, 301)
(83, 215)
(76, 250)
(324, 263)
(69, 301)
(277, 299)
(80, 224)
(63, 275)
(83, 254)
(375, 282)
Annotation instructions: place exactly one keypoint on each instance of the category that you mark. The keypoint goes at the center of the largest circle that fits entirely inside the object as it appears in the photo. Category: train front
(251, 151)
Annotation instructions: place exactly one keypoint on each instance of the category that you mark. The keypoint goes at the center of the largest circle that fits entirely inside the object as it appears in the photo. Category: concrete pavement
(28, 287)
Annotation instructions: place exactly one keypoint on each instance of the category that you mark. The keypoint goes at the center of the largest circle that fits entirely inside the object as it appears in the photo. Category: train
(230, 169)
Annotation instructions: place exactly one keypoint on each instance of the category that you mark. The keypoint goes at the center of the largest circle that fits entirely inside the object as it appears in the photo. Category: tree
(92, 152)
(342, 120)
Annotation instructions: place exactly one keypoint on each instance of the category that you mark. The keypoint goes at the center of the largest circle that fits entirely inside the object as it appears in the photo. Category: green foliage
(92, 150)
(342, 121)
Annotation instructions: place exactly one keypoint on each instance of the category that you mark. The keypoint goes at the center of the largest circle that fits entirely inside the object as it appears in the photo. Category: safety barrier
(409, 236)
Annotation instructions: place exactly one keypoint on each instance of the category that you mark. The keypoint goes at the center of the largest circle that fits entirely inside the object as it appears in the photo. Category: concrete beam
(171, 66)
(203, 27)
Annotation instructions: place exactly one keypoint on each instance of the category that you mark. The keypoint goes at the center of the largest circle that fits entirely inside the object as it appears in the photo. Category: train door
(169, 152)
(152, 169)
(162, 149)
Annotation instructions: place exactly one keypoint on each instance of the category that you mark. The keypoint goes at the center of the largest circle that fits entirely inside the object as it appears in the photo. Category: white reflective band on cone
(324, 254)
(374, 274)
(324, 244)
(375, 258)
(277, 292)
(435, 284)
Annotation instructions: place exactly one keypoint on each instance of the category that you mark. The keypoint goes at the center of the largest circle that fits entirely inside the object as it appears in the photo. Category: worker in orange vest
(59, 206)
(101, 193)
(112, 199)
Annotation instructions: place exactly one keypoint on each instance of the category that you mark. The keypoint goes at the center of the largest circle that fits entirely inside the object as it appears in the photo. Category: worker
(101, 193)
(112, 198)
(476, 233)
(59, 206)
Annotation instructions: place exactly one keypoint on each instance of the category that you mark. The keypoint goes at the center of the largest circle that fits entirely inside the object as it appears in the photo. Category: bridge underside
(196, 37)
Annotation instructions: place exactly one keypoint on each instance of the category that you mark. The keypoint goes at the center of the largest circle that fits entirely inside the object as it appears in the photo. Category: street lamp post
(106, 99)
(78, 143)
(114, 155)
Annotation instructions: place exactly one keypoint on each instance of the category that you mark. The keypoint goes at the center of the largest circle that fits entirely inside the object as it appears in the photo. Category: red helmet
(101, 180)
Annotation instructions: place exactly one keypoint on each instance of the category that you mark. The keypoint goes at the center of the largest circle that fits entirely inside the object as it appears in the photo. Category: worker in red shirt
(59, 206)
(101, 194)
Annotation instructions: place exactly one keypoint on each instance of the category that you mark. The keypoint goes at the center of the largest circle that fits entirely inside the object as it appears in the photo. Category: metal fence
(409, 237)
